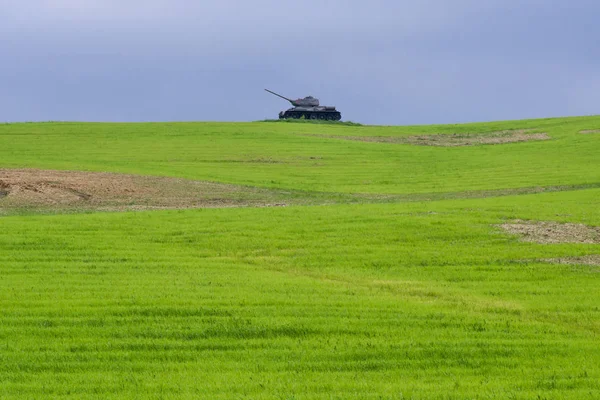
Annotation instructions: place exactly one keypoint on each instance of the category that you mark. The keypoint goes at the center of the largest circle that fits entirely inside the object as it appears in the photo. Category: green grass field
(413, 292)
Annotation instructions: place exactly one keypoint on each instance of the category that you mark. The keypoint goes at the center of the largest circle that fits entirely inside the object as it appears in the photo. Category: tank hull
(315, 113)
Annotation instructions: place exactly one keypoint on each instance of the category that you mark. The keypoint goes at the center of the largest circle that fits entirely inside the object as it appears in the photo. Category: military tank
(308, 108)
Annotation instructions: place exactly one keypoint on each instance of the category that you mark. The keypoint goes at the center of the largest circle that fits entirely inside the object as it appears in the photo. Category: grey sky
(378, 61)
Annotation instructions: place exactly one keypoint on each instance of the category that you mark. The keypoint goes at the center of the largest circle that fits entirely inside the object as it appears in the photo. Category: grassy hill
(283, 156)
(389, 274)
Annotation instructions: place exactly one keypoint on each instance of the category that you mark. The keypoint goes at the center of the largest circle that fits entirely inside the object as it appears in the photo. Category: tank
(308, 108)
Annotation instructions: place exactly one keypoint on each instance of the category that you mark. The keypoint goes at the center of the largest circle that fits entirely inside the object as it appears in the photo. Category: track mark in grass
(548, 232)
(471, 194)
(589, 263)
(452, 140)
(588, 131)
(164, 312)
(591, 260)
(428, 294)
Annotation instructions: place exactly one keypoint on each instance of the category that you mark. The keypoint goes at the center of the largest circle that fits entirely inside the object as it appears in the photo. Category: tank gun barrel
(278, 95)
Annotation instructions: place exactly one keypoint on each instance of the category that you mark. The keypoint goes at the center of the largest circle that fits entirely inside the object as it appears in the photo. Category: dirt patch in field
(48, 189)
(592, 260)
(590, 131)
(454, 140)
(553, 232)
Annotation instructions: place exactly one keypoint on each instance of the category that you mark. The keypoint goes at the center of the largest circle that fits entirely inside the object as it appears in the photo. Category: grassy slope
(421, 300)
(277, 155)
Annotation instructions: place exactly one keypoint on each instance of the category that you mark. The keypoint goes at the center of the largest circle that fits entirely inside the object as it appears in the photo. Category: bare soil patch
(590, 131)
(553, 232)
(48, 189)
(456, 139)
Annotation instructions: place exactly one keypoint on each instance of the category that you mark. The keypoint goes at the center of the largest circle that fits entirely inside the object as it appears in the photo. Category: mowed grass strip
(419, 300)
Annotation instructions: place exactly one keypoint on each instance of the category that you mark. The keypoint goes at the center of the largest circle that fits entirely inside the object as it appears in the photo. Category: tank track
(314, 115)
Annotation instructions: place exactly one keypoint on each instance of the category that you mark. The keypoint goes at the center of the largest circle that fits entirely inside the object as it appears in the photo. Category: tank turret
(308, 108)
